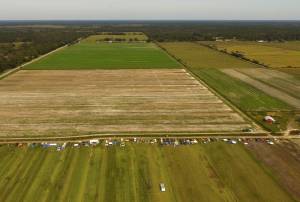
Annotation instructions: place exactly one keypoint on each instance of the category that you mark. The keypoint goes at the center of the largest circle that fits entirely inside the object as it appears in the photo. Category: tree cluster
(20, 45)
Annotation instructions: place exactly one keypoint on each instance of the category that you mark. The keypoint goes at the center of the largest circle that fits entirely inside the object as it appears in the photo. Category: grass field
(88, 55)
(295, 72)
(270, 54)
(133, 173)
(135, 36)
(197, 56)
(286, 82)
(284, 161)
(60, 103)
(289, 45)
(254, 102)
(274, 83)
(241, 94)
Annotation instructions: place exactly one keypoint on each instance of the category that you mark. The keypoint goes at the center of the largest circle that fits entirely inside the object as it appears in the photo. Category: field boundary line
(228, 54)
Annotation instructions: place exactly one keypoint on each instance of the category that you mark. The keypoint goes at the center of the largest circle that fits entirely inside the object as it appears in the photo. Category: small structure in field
(162, 187)
(269, 119)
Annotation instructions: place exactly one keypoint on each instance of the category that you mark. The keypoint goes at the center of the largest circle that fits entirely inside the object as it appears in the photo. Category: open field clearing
(282, 81)
(292, 101)
(257, 102)
(270, 54)
(197, 56)
(289, 45)
(87, 55)
(284, 161)
(38, 103)
(129, 36)
(133, 173)
(292, 71)
(252, 101)
(240, 93)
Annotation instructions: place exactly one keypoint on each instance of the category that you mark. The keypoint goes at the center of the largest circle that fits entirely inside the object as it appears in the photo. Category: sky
(150, 9)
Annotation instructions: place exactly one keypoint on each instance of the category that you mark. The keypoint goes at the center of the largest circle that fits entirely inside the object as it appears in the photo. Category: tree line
(22, 41)
(20, 45)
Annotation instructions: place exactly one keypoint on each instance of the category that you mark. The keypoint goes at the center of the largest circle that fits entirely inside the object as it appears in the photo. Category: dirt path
(263, 87)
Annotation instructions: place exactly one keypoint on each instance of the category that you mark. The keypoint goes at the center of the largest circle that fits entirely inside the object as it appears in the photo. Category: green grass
(252, 101)
(239, 93)
(106, 56)
(213, 172)
(270, 54)
(197, 56)
(289, 45)
(239, 171)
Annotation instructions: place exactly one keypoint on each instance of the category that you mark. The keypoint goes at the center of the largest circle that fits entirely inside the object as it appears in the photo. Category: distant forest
(20, 45)
(21, 41)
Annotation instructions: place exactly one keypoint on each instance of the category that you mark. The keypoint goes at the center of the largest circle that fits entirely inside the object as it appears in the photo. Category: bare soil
(42, 102)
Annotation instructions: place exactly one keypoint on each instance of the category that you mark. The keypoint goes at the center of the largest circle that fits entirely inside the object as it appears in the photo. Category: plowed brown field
(76, 102)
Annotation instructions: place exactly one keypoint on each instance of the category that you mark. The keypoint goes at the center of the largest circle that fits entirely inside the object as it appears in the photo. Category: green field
(133, 173)
(207, 64)
(197, 56)
(88, 55)
(241, 94)
(134, 36)
(252, 101)
(270, 54)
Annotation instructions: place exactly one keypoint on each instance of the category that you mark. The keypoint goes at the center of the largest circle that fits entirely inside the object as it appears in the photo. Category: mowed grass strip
(285, 82)
(133, 173)
(196, 55)
(239, 93)
(106, 56)
(249, 99)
